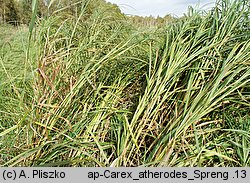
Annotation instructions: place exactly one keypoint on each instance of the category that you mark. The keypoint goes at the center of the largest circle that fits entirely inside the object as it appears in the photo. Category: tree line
(18, 12)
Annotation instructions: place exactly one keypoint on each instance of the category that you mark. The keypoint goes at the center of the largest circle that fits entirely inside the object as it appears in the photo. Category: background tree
(2, 10)
(26, 10)
(11, 12)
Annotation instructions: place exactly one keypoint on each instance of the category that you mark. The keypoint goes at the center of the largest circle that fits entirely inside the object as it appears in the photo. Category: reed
(101, 92)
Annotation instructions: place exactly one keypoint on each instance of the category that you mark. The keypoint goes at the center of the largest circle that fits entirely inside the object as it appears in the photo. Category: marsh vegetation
(85, 85)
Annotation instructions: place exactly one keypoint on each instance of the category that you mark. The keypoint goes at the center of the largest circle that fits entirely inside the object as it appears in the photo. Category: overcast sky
(159, 7)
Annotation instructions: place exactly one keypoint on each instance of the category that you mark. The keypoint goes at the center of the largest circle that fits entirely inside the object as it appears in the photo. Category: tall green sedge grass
(106, 94)
(15, 90)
